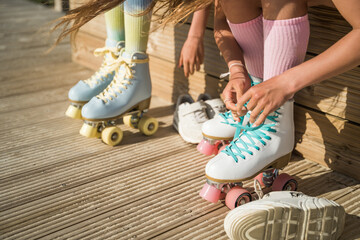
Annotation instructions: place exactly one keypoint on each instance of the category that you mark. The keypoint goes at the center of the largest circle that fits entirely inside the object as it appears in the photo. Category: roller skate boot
(126, 98)
(286, 215)
(84, 90)
(220, 130)
(257, 150)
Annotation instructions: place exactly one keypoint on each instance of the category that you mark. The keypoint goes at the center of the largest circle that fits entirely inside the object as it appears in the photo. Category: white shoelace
(107, 66)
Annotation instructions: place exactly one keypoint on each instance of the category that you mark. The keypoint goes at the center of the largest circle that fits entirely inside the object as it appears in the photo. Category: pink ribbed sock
(249, 36)
(285, 44)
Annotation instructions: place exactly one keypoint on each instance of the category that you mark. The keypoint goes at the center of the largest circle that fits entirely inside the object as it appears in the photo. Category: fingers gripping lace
(238, 125)
(227, 115)
(238, 147)
(106, 68)
(120, 82)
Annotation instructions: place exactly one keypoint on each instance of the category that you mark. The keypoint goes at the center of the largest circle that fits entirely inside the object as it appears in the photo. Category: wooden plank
(19, 143)
(68, 76)
(328, 140)
(34, 57)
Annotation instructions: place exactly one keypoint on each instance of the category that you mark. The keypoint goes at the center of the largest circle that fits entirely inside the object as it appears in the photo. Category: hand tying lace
(239, 146)
(106, 68)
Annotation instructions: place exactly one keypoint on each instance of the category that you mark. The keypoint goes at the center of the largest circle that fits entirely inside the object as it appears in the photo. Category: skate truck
(234, 194)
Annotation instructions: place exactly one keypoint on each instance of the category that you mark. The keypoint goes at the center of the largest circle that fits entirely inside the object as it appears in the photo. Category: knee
(283, 9)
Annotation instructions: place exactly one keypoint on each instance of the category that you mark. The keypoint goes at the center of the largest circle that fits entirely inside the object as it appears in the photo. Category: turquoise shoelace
(239, 125)
(238, 146)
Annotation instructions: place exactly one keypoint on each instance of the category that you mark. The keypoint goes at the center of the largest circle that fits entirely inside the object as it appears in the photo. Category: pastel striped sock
(285, 44)
(136, 27)
(114, 20)
(249, 36)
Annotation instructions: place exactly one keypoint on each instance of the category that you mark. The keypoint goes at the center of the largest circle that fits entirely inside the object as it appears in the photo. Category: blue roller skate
(84, 90)
(127, 97)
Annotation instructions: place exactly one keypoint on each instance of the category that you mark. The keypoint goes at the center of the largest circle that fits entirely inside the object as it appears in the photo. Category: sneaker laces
(219, 109)
(200, 115)
(107, 66)
(238, 146)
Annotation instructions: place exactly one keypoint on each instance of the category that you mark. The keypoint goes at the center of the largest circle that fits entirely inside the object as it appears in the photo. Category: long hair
(167, 11)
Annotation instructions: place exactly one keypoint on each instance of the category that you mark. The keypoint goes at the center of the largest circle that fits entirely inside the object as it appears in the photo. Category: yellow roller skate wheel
(73, 112)
(127, 121)
(148, 125)
(89, 131)
(112, 136)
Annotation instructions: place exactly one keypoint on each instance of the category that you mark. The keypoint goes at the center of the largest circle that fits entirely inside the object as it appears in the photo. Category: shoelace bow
(120, 82)
(107, 66)
(238, 146)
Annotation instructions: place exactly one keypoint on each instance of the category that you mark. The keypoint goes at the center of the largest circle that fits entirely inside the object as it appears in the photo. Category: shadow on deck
(57, 184)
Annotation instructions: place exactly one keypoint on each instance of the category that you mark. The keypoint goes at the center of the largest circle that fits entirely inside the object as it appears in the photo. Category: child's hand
(265, 98)
(192, 55)
(238, 84)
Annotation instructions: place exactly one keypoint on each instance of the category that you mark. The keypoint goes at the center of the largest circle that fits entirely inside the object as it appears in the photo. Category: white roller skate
(84, 90)
(265, 148)
(286, 215)
(220, 130)
(128, 96)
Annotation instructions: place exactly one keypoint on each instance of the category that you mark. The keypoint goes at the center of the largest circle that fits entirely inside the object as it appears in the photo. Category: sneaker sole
(315, 218)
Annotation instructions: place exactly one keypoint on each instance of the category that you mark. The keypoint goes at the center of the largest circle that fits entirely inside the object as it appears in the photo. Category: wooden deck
(58, 184)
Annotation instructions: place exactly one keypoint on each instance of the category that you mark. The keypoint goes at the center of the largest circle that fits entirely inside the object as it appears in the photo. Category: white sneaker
(189, 117)
(286, 215)
(214, 107)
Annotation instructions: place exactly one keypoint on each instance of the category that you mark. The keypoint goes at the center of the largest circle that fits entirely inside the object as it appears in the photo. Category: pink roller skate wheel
(259, 177)
(237, 196)
(210, 193)
(284, 182)
(206, 148)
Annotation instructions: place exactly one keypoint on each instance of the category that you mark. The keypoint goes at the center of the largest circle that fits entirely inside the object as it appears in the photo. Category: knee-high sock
(285, 44)
(114, 20)
(249, 36)
(136, 27)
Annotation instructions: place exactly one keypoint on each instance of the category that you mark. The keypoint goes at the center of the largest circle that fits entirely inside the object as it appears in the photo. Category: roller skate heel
(126, 98)
(84, 90)
(266, 148)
